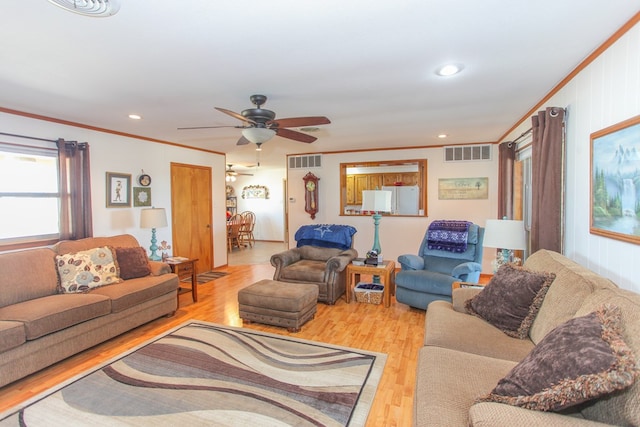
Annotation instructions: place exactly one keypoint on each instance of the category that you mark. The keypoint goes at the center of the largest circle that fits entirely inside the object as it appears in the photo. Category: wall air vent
(467, 153)
(310, 161)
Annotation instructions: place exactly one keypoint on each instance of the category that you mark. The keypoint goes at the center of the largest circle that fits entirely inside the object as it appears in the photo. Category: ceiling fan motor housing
(258, 115)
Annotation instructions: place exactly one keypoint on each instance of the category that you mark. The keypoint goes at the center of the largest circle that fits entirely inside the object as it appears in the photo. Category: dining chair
(233, 232)
(246, 228)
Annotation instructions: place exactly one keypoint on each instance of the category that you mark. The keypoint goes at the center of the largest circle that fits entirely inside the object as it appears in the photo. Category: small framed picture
(141, 196)
(118, 190)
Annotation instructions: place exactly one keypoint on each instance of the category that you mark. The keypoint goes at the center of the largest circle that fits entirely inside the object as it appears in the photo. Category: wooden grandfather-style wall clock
(311, 194)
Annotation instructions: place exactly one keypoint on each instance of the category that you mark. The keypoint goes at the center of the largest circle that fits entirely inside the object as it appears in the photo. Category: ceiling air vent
(467, 153)
(94, 8)
(311, 161)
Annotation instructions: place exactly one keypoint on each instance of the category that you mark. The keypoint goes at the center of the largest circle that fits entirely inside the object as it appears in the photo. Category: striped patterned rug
(206, 374)
(207, 277)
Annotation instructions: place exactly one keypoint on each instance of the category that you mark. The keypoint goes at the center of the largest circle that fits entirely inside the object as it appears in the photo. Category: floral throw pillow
(82, 271)
(583, 359)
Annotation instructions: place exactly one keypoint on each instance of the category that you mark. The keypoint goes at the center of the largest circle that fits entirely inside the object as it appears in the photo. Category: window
(29, 194)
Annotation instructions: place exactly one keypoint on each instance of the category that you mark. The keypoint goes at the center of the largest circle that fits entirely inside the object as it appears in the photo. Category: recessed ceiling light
(135, 117)
(442, 135)
(449, 70)
(310, 129)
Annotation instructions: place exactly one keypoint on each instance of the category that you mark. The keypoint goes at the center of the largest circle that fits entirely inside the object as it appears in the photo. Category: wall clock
(144, 180)
(311, 194)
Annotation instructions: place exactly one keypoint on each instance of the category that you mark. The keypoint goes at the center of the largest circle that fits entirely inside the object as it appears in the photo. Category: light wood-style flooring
(397, 331)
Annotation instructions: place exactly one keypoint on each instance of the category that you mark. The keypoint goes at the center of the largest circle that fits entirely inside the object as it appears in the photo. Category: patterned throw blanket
(325, 236)
(449, 236)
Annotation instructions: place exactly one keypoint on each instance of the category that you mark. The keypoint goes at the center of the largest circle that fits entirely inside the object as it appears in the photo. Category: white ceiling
(367, 65)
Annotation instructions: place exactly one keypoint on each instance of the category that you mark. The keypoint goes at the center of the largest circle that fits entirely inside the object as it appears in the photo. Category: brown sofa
(40, 326)
(464, 357)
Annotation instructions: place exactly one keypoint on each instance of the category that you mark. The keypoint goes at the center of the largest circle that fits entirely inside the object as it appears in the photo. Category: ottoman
(289, 305)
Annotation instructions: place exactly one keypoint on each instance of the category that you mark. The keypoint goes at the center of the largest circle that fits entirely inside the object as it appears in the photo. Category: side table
(386, 271)
(457, 285)
(185, 270)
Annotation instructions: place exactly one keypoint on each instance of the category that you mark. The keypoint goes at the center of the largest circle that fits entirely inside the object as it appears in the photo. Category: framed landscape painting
(615, 181)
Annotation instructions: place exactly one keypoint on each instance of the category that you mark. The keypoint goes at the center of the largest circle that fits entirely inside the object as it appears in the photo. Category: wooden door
(375, 181)
(409, 178)
(351, 190)
(191, 215)
(361, 183)
(390, 178)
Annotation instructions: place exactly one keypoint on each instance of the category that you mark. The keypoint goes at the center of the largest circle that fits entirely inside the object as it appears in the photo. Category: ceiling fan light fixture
(93, 8)
(258, 135)
(230, 178)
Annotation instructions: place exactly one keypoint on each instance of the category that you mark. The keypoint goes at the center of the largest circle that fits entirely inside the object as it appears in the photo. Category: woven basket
(370, 293)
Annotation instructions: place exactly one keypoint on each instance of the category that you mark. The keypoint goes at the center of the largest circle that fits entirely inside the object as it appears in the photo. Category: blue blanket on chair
(446, 235)
(325, 236)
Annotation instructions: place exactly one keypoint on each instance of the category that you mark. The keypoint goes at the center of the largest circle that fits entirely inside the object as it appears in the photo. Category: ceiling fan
(260, 125)
(230, 174)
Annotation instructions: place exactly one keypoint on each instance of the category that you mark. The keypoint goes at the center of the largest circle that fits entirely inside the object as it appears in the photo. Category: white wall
(603, 94)
(269, 212)
(398, 235)
(113, 153)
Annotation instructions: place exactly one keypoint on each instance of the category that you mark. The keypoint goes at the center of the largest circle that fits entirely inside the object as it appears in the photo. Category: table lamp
(376, 201)
(507, 235)
(153, 218)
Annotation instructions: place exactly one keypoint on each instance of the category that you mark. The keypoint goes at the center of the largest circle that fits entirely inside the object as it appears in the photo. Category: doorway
(191, 215)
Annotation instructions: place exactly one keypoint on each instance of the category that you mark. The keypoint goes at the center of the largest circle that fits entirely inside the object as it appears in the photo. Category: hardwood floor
(397, 331)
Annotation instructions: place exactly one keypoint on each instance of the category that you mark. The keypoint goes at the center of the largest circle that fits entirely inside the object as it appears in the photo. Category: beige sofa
(464, 357)
(40, 326)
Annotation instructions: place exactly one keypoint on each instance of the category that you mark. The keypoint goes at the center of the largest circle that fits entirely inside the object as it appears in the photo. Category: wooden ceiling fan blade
(208, 127)
(296, 136)
(294, 122)
(235, 115)
(243, 141)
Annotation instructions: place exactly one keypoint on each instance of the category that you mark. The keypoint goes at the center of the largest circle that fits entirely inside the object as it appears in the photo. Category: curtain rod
(522, 136)
(29, 137)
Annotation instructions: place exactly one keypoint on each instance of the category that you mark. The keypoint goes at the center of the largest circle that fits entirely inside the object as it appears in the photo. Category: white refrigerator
(404, 199)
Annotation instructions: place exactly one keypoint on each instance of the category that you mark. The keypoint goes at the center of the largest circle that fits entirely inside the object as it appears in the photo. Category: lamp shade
(153, 218)
(376, 200)
(504, 234)
(258, 135)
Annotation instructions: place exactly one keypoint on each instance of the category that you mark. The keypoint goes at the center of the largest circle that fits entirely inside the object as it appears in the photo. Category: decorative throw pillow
(82, 271)
(511, 300)
(133, 262)
(582, 359)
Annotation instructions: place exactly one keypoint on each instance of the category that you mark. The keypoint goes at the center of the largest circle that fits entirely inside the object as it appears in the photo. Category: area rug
(207, 277)
(201, 373)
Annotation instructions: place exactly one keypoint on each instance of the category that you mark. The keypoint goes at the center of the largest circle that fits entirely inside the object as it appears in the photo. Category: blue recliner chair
(428, 276)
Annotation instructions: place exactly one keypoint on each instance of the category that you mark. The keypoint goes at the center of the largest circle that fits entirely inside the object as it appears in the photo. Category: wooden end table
(386, 271)
(186, 270)
(457, 285)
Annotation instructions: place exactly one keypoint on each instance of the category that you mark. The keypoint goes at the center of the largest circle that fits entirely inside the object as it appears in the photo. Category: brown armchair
(321, 258)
